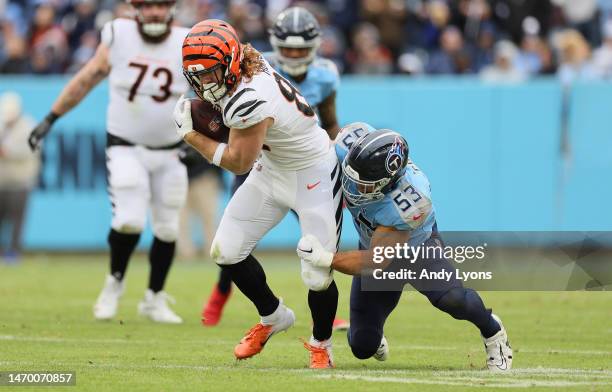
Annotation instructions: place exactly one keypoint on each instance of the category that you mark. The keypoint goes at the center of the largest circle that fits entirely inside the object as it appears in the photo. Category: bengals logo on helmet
(395, 156)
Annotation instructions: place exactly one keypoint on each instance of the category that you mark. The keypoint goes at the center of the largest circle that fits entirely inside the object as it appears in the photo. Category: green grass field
(562, 340)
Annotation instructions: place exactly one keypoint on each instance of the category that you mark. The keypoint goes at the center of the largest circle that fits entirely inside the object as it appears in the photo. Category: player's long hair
(252, 62)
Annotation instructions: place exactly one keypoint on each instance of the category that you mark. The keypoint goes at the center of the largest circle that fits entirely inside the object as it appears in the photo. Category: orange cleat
(256, 338)
(340, 325)
(211, 314)
(320, 356)
(253, 342)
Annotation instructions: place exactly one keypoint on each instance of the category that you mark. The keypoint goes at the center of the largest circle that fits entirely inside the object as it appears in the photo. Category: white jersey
(295, 141)
(146, 80)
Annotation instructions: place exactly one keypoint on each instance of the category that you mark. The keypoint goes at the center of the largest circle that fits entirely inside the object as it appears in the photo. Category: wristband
(218, 154)
(51, 117)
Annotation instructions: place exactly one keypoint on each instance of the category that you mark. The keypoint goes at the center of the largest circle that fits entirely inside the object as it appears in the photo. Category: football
(208, 121)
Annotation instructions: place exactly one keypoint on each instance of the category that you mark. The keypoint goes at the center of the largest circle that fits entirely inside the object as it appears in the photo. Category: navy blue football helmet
(373, 165)
(295, 27)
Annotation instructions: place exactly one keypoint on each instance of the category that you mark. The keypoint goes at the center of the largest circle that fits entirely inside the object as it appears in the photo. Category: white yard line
(408, 347)
(519, 378)
(215, 342)
(507, 383)
(218, 342)
(521, 374)
(231, 342)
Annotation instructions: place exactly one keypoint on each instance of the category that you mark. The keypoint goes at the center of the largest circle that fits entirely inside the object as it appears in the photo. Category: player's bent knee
(224, 255)
(364, 342)
(317, 284)
(130, 228)
(166, 233)
(454, 302)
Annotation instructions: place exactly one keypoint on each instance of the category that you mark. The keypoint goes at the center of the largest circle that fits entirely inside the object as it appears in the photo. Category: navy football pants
(370, 309)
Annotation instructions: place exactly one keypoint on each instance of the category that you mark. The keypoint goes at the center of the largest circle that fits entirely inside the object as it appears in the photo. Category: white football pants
(265, 198)
(139, 178)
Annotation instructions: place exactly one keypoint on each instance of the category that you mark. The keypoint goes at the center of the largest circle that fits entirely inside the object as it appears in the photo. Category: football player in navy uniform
(389, 198)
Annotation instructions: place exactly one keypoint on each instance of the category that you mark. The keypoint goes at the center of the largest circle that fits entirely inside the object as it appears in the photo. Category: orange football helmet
(210, 45)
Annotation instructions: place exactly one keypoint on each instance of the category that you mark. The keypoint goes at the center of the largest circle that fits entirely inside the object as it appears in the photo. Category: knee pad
(459, 302)
(363, 342)
(165, 232)
(224, 254)
(316, 278)
(130, 228)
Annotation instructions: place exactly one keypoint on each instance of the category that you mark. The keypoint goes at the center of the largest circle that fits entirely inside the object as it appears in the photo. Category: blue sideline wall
(492, 153)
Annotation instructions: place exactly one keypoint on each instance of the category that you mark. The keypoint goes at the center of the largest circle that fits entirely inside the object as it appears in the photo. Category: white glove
(182, 116)
(311, 251)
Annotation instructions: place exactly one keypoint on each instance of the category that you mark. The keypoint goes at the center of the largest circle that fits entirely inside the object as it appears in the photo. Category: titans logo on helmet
(395, 156)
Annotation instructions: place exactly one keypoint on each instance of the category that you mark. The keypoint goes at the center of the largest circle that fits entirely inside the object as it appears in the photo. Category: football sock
(225, 281)
(121, 248)
(160, 258)
(323, 305)
(250, 278)
(466, 304)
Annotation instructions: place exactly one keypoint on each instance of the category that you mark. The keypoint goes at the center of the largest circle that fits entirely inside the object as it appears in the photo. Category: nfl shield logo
(214, 124)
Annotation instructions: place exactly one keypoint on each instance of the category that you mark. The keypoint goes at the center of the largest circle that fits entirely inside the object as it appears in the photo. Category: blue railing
(499, 157)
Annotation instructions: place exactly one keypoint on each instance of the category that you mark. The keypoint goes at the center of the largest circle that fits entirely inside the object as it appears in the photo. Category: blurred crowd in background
(505, 40)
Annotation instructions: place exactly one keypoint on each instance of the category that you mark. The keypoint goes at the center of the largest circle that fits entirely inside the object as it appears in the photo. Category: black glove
(188, 155)
(41, 130)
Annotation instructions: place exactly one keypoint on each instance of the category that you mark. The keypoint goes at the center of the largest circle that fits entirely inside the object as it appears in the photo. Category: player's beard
(155, 30)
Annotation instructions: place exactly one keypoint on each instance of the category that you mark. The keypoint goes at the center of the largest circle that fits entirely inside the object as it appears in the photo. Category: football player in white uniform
(295, 37)
(297, 171)
(142, 59)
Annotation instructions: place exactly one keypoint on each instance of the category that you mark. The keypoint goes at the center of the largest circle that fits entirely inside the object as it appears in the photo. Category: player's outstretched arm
(353, 262)
(327, 112)
(77, 88)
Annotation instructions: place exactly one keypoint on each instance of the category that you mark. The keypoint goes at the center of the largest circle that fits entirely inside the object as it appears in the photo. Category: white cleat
(155, 307)
(383, 350)
(106, 305)
(499, 352)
